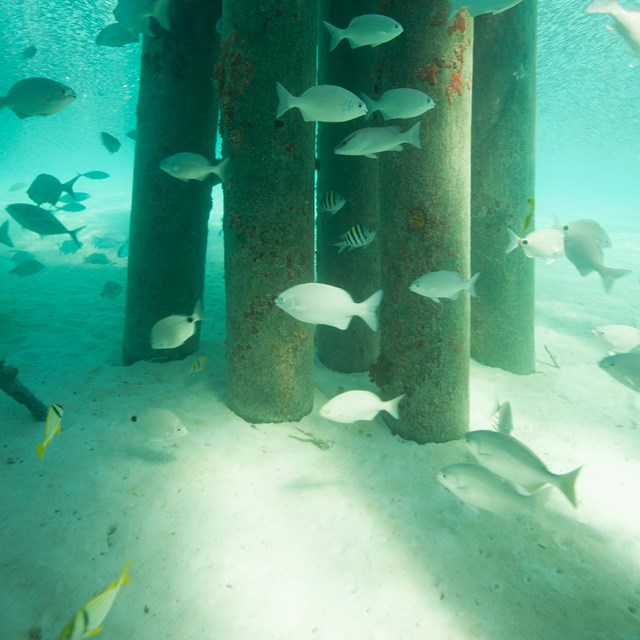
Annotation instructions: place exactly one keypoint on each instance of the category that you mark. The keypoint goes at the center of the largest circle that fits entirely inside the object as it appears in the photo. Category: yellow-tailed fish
(87, 622)
(51, 427)
(532, 208)
(198, 364)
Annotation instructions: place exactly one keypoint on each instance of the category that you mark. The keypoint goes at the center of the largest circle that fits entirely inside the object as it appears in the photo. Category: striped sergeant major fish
(51, 427)
(332, 202)
(358, 236)
(87, 622)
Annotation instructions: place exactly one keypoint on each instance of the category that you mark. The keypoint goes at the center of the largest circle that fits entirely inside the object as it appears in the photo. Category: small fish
(20, 256)
(619, 338)
(505, 417)
(371, 29)
(626, 22)
(318, 303)
(541, 243)
(585, 254)
(104, 242)
(47, 188)
(96, 175)
(511, 459)
(521, 72)
(358, 236)
(123, 250)
(109, 142)
(78, 196)
(322, 103)
(399, 103)
(193, 166)
(373, 140)
(175, 330)
(16, 186)
(37, 97)
(198, 364)
(479, 487)
(352, 406)
(157, 425)
(88, 621)
(443, 284)
(532, 209)
(40, 221)
(97, 258)
(4, 234)
(135, 15)
(132, 134)
(591, 228)
(29, 52)
(72, 207)
(480, 7)
(69, 246)
(27, 268)
(51, 427)
(332, 202)
(111, 290)
(624, 367)
(115, 35)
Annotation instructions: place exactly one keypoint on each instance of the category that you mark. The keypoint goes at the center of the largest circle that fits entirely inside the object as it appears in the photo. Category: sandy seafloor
(254, 532)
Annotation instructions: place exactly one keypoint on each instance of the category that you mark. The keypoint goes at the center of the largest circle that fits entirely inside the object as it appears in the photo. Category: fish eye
(134, 418)
(190, 319)
(525, 242)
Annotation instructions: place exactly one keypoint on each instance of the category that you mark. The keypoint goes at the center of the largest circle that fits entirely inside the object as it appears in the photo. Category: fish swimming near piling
(352, 406)
(135, 15)
(481, 7)
(37, 97)
(194, 166)
(360, 235)
(176, 329)
(321, 103)
(370, 29)
(443, 284)
(370, 141)
(109, 142)
(47, 188)
(115, 35)
(399, 103)
(41, 221)
(332, 202)
(27, 268)
(624, 367)
(4, 234)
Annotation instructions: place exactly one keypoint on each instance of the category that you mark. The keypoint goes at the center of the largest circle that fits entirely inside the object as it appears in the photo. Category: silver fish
(399, 103)
(624, 367)
(480, 487)
(157, 425)
(358, 236)
(589, 227)
(40, 221)
(321, 103)
(585, 254)
(175, 330)
(371, 29)
(443, 284)
(370, 141)
(37, 97)
(511, 459)
(115, 35)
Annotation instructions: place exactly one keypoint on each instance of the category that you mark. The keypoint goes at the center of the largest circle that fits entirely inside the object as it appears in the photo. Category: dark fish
(27, 268)
(123, 250)
(96, 175)
(114, 35)
(132, 134)
(586, 255)
(72, 207)
(29, 52)
(97, 258)
(68, 246)
(80, 196)
(104, 242)
(37, 97)
(47, 188)
(19, 256)
(624, 367)
(4, 234)
(40, 221)
(110, 143)
(111, 290)
(17, 186)
(358, 236)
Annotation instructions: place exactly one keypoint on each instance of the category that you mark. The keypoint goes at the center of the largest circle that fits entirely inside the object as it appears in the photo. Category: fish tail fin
(602, 6)
(392, 406)
(40, 449)
(222, 170)
(198, 311)
(413, 136)
(74, 235)
(369, 308)
(161, 14)
(286, 100)
(514, 241)
(472, 285)
(124, 575)
(335, 33)
(370, 104)
(68, 186)
(342, 245)
(567, 484)
(609, 275)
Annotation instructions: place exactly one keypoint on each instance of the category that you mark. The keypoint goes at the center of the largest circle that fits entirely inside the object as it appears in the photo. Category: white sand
(244, 532)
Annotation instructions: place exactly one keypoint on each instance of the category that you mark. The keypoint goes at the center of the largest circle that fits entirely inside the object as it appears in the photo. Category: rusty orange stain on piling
(454, 86)
(459, 25)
